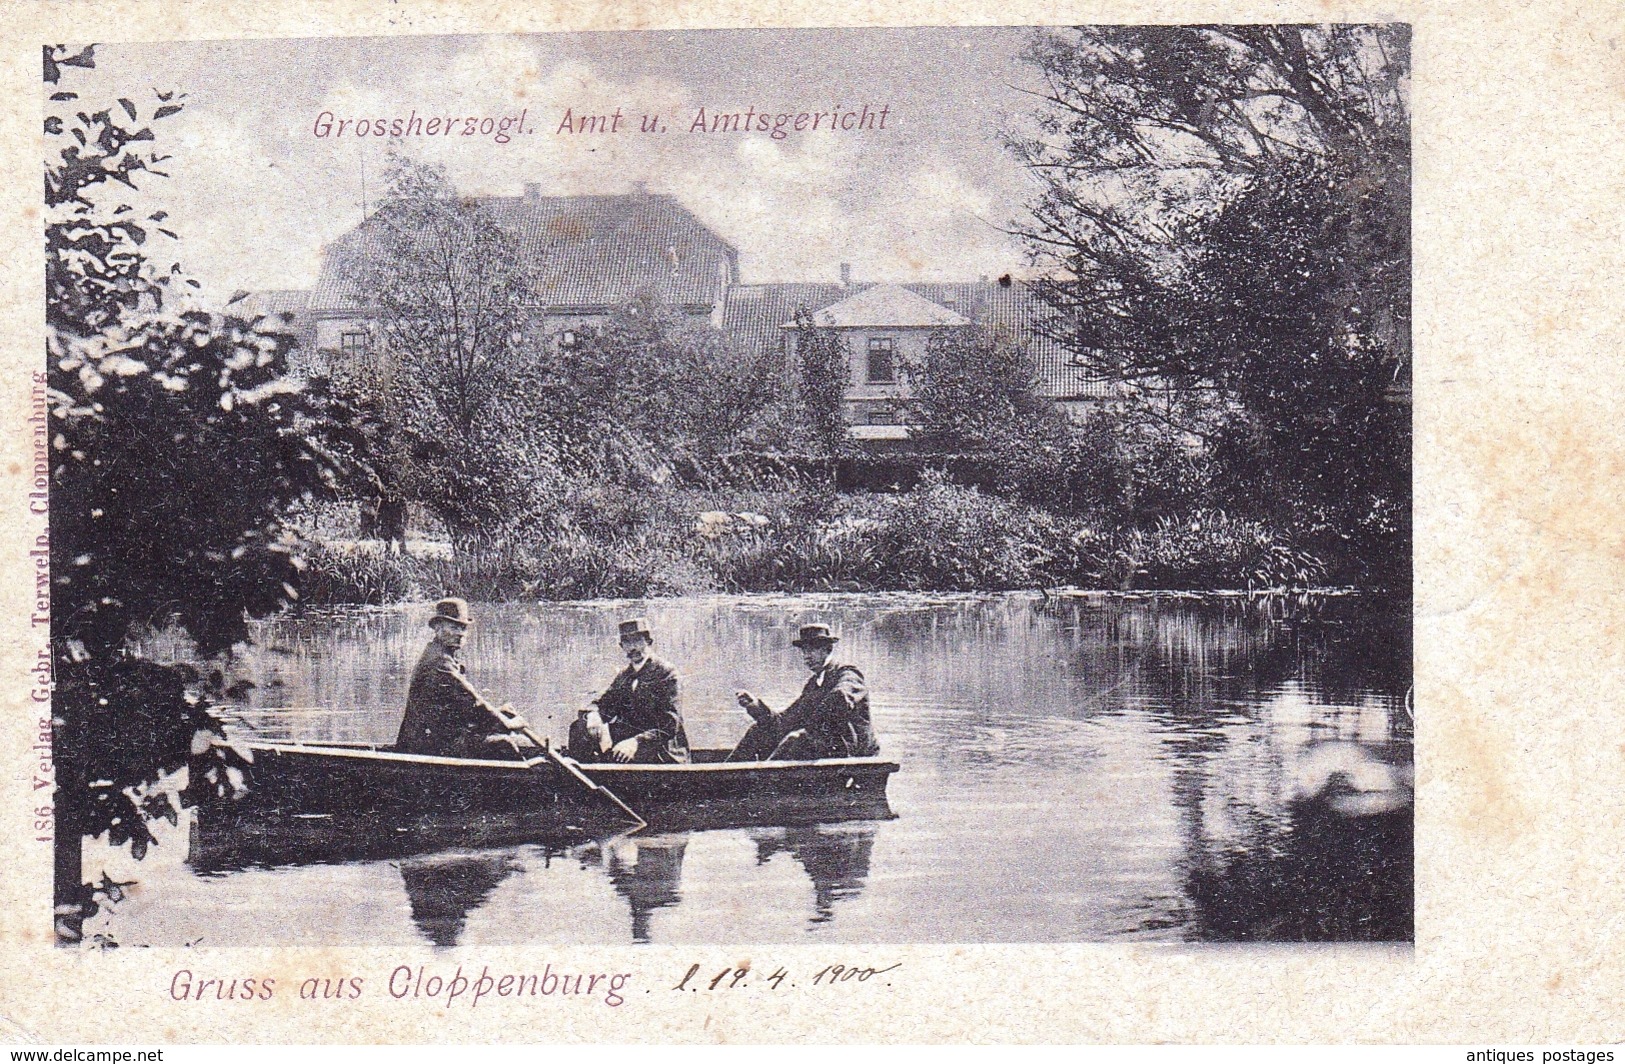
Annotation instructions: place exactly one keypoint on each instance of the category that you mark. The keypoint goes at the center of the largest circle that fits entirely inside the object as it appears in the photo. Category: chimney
(640, 188)
(533, 191)
(846, 275)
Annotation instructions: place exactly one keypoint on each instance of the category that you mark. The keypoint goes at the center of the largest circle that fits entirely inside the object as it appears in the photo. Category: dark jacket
(444, 715)
(834, 710)
(642, 704)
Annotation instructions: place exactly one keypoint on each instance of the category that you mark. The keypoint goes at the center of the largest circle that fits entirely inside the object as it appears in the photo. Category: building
(585, 255)
(884, 329)
(887, 326)
(287, 308)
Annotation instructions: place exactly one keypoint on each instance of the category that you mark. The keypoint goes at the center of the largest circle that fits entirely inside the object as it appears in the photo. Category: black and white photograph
(790, 486)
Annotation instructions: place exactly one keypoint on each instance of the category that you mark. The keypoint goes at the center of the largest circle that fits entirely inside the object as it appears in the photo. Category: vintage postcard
(690, 528)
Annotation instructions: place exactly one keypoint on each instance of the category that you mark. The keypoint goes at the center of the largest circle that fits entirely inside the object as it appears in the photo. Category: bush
(335, 577)
(943, 537)
(1207, 549)
(940, 537)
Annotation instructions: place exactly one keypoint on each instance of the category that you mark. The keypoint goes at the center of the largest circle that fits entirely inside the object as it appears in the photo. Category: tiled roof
(888, 306)
(755, 313)
(270, 302)
(585, 251)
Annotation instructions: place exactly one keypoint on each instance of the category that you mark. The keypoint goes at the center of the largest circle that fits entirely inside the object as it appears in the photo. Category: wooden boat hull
(325, 802)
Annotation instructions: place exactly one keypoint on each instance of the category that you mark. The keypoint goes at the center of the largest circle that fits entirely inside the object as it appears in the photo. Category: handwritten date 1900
(739, 978)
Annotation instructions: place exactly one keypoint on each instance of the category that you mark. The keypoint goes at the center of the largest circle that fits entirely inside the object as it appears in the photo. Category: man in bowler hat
(445, 715)
(637, 719)
(829, 719)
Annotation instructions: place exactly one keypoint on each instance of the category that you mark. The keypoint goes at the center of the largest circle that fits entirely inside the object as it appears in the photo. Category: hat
(634, 627)
(815, 633)
(454, 610)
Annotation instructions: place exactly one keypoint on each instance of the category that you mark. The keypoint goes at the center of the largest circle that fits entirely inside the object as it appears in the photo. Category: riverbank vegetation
(940, 536)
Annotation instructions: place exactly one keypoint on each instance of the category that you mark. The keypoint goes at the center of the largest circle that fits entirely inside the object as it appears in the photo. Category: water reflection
(837, 859)
(443, 890)
(1073, 769)
(647, 872)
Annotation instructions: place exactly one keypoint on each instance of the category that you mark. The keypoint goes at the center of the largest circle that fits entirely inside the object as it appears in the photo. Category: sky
(256, 194)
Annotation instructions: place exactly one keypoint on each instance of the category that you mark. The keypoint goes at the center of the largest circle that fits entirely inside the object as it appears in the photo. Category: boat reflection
(443, 890)
(224, 843)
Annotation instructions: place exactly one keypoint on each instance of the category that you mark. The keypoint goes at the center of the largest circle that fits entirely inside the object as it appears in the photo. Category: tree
(649, 386)
(976, 391)
(824, 370)
(178, 448)
(450, 375)
(1229, 210)
(1284, 284)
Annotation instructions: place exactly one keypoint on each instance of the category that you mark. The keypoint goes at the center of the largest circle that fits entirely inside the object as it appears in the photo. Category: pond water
(1072, 769)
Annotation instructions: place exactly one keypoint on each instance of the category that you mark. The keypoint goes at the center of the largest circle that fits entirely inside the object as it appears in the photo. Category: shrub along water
(939, 537)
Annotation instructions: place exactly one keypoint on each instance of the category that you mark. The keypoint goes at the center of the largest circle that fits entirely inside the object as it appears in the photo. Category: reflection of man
(648, 873)
(443, 891)
(637, 718)
(829, 719)
(445, 716)
(837, 860)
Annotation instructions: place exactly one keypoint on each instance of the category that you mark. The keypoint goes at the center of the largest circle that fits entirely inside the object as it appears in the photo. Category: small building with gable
(887, 327)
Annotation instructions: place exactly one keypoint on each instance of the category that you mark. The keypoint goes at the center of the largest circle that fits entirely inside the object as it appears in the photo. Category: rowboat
(346, 801)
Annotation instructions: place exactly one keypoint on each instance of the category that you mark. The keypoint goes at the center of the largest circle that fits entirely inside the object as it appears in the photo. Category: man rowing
(829, 719)
(445, 715)
(637, 719)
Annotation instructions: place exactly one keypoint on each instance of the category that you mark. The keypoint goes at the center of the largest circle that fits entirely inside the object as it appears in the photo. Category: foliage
(445, 383)
(177, 446)
(650, 385)
(1114, 471)
(360, 578)
(1297, 283)
(951, 538)
(1208, 549)
(824, 369)
(976, 391)
(941, 537)
(1229, 209)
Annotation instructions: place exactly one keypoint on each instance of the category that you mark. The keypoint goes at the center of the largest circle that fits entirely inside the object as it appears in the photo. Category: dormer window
(882, 361)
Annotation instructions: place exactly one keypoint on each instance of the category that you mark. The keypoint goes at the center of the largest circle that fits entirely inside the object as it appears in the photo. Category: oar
(511, 720)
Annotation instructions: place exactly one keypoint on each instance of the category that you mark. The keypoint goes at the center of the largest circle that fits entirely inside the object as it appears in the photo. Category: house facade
(884, 329)
(893, 323)
(586, 255)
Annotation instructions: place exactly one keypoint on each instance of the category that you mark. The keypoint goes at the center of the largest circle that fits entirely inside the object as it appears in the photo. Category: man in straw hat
(829, 719)
(637, 718)
(444, 714)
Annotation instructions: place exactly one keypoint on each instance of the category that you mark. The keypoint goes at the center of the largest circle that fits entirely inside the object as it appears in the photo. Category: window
(354, 342)
(569, 339)
(880, 416)
(882, 361)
